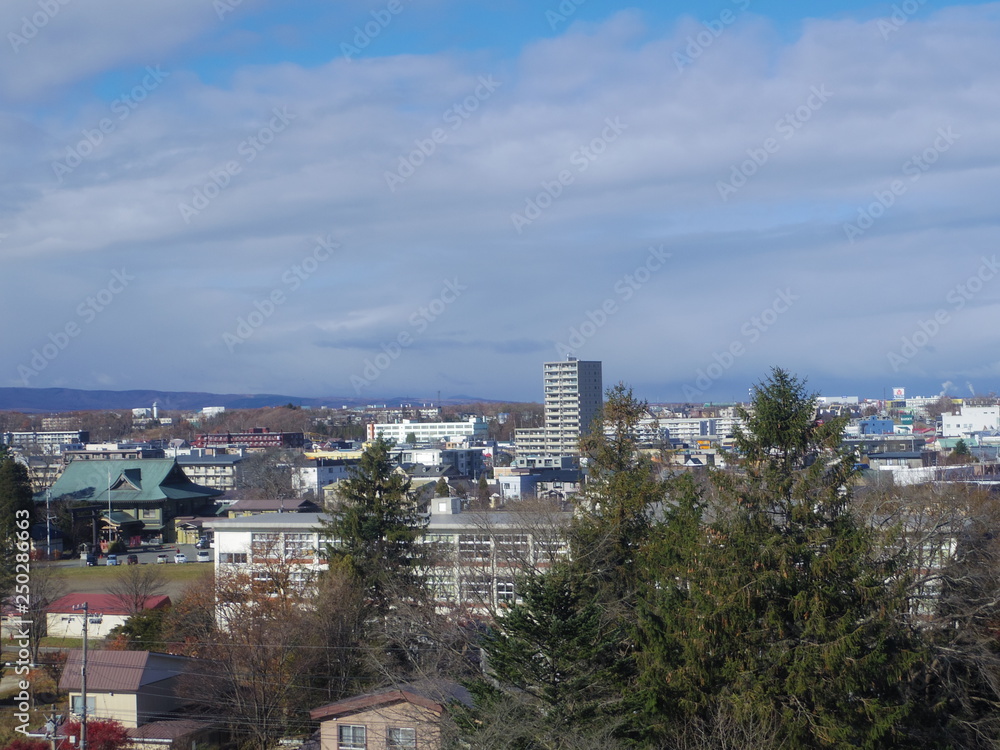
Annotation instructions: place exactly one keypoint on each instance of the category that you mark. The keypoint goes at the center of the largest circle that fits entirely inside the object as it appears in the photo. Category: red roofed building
(106, 611)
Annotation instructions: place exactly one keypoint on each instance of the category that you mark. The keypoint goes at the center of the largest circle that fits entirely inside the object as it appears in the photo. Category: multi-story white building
(468, 462)
(478, 553)
(972, 419)
(474, 428)
(46, 442)
(573, 400)
(691, 430)
(319, 473)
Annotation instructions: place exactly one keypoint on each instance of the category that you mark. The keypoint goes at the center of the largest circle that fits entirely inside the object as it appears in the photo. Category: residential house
(64, 617)
(408, 717)
(139, 689)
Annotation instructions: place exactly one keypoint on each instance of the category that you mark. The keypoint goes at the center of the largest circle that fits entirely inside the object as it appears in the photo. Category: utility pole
(83, 677)
(48, 525)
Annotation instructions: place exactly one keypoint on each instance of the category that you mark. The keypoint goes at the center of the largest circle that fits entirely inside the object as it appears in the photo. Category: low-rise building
(147, 494)
(971, 419)
(222, 472)
(142, 691)
(319, 473)
(257, 439)
(105, 612)
(398, 718)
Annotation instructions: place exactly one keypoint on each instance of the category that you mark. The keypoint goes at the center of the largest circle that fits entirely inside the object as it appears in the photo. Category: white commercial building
(972, 419)
(475, 428)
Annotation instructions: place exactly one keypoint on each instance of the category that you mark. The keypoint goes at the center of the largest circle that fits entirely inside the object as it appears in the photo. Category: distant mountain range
(73, 399)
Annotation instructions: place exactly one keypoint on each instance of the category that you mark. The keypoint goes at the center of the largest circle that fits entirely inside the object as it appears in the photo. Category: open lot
(81, 579)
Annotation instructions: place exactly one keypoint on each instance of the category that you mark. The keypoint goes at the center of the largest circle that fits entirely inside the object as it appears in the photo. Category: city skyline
(386, 198)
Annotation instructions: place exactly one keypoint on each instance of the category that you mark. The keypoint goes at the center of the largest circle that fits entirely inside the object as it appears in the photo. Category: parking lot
(150, 554)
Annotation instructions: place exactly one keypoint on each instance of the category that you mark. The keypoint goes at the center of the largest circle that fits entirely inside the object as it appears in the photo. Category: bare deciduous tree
(134, 584)
(46, 585)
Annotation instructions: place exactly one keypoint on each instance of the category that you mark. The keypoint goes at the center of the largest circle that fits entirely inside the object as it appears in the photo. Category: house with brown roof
(408, 717)
(139, 689)
(131, 687)
(64, 617)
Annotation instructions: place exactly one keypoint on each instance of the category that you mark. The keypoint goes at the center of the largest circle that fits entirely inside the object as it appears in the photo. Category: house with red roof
(64, 617)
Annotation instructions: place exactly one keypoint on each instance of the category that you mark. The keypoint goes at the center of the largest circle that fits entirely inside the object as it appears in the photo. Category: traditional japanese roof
(133, 482)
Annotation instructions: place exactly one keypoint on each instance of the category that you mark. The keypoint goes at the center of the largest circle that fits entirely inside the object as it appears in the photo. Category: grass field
(95, 580)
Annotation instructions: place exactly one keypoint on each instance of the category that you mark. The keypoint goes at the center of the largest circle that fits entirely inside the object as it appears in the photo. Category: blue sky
(398, 198)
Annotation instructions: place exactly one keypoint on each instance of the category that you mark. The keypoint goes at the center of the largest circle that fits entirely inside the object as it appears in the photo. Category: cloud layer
(824, 202)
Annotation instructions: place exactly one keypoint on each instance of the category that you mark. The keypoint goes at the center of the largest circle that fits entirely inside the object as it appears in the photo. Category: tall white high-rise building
(574, 397)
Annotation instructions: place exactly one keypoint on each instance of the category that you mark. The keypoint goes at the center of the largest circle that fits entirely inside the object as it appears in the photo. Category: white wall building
(474, 428)
(972, 419)
(47, 442)
(483, 550)
(319, 474)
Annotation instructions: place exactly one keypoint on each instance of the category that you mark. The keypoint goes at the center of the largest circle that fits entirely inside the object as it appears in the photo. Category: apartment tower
(574, 397)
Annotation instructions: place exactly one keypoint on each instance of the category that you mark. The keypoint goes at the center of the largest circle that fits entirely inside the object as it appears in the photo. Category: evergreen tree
(483, 491)
(622, 491)
(561, 662)
(778, 606)
(17, 514)
(554, 661)
(15, 495)
(375, 532)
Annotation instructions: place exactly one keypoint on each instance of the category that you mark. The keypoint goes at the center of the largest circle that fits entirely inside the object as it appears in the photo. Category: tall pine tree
(771, 603)
(17, 512)
(374, 534)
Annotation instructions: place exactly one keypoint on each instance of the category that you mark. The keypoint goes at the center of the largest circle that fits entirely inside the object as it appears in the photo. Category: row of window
(355, 737)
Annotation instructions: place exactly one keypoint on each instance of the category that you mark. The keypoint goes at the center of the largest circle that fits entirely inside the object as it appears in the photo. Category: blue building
(877, 426)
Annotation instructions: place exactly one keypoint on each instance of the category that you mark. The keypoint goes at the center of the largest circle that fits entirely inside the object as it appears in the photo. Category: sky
(397, 198)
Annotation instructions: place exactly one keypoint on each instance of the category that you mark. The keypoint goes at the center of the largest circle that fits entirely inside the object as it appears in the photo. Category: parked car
(160, 559)
(180, 557)
(112, 560)
(132, 559)
(91, 560)
(203, 556)
(201, 543)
